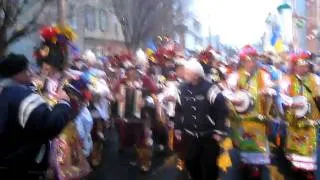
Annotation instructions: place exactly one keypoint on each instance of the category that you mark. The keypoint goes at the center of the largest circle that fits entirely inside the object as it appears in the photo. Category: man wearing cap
(26, 121)
(200, 116)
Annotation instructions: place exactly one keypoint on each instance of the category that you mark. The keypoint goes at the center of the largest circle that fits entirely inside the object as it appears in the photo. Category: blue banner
(275, 34)
(151, 45)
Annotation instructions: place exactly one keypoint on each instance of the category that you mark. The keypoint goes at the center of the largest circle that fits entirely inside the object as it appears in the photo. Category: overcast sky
(238, 22)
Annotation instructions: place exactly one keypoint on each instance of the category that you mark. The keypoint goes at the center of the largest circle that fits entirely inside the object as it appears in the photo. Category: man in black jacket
(201, 112)
(26, 121)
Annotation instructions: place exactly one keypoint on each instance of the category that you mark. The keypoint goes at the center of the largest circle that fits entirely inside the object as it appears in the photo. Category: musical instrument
(121, 103)
(247, 101)
(136, 88)
(303, 110)
(302, 131)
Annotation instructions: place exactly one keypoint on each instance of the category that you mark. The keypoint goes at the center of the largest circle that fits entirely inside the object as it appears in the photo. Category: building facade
(193, 37)
(97, 28)
(312, 24)
(306, 14)
(189, 33)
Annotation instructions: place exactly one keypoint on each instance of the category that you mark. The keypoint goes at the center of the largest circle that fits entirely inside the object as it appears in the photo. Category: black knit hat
(12, 65)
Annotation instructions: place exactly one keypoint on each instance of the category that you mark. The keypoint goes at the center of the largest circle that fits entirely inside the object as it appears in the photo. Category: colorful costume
(98, 106)
(249, 128)
(302, 131)
(67, 160)
(167, 114)
(132, 127)
(84, 124)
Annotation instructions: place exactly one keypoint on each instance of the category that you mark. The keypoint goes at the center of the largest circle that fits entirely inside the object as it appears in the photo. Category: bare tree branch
(13, 12)
(6, 18)
(30, 26)
(144, 18)
(20, 8)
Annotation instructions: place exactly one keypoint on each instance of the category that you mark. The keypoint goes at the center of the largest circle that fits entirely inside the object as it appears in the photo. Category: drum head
(228, 94)
(301, 111)
(247, 102)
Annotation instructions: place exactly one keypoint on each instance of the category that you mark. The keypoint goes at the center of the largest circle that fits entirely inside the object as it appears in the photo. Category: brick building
(307, 20)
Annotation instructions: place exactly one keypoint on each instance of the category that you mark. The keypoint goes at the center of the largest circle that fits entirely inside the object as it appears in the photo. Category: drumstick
(304, 85)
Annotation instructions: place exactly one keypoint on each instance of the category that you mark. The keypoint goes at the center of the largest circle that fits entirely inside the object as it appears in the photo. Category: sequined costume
(301, 141)
(99, 108)
(67, 159)
(132, 124)
(249, 130)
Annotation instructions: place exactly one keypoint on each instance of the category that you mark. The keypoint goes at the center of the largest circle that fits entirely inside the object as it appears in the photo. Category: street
(116, 166)
(209, 70)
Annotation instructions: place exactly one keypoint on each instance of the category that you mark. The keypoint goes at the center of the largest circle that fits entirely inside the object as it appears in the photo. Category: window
(116, 29)
(196, 25)
(98, 51)
(90, 18)
(175, 6)
(103, 20)
(72, 16)
(197, 41)
(176, 37)
(2, 14)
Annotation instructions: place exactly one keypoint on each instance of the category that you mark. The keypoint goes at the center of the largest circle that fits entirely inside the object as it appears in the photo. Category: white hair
(90, 57)
(194, 66)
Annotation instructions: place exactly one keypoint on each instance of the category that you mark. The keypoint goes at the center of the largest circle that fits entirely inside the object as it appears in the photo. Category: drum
(247, 102)
(302, 111)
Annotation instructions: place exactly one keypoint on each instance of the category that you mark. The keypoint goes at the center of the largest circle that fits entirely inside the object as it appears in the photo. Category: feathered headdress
(54, 47)
(167, 51)
(208, 55)
(301, 58)
(247, 52)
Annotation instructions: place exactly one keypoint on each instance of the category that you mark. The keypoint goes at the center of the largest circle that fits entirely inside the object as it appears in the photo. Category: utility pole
(61, 12)
(210, 33)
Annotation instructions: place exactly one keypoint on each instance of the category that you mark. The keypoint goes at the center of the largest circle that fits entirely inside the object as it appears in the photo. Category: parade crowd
(53, 118)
